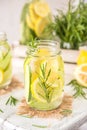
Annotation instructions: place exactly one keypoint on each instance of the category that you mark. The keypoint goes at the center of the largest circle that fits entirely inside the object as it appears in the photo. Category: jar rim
(3, 36)
(45, 43)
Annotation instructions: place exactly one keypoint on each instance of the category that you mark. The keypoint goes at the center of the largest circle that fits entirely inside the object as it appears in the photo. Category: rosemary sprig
(66, 112)
(79, 89)
(33, 45)
(27, 116)
(43, 82)
(39, 126)
(1, 111)
(12, 101)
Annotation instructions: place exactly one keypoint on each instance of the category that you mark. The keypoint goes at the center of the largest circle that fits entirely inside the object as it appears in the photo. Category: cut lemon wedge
(82, 58)
(1, 75)
(41, 9)
(81, 74)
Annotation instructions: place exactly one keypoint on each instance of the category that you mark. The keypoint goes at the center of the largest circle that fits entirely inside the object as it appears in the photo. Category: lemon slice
(81, 74)
(57, 70)
(32, 13)
(41, 23)
(41, 9)
(29, 22)
(38, 93)
(1, 75)
(44, 52)
(82, 58)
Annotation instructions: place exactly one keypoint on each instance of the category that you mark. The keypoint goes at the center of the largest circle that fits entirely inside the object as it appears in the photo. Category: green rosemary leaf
(1, 111)
(39, 126)
(79, 90)
(26, 116)
(43, 69)
(66, 111)
(48, 74)
(34, 43)
(72, 82)
(12, 101)
(50, 94)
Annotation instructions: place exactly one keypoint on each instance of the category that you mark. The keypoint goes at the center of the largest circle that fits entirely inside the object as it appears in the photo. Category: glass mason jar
(5, 61)
(44, 76)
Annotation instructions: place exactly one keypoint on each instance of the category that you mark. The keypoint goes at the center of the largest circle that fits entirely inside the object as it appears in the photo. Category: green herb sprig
(34, 43)
(27, 116)
(78, 89)
(12, 101)
(66, 112)
(43, 82)
(39, 126)
(1, 111)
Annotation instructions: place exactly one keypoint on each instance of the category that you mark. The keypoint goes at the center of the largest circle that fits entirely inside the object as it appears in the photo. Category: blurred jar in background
(35, 17)
(5, 61)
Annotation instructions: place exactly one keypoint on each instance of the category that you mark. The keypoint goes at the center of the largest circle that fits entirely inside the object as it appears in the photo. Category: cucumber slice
(7, 74)
(28, 82)
(5, 61)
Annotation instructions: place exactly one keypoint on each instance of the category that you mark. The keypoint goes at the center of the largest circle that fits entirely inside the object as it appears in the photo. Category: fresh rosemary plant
(12, 101)
(78, 89)
(43, 82)
(1, 111)
(71, 27)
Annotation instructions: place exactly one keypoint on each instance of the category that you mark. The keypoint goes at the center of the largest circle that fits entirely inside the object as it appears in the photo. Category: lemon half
(81, 74)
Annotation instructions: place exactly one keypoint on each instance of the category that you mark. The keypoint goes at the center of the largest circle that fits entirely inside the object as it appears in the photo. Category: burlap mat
(15, 83)
(65, 109)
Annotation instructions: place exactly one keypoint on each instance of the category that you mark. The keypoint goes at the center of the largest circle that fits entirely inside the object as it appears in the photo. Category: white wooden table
(10, 121)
